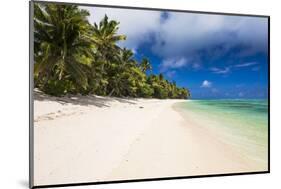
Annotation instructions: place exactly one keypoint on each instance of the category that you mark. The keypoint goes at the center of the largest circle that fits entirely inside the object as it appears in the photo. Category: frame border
(31, 101)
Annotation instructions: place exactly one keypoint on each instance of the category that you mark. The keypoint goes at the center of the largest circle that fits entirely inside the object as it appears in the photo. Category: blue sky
(215, 56)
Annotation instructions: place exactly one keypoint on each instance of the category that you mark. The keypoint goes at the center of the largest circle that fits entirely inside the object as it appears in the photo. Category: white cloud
(173, 63)
(247, 64)
(185, 35)
(220, 70)
(135, 24)
(206, 84)
(228, 69)
(184, 32)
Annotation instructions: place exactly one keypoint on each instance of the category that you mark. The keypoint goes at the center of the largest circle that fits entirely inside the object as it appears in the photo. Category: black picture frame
(31, 106)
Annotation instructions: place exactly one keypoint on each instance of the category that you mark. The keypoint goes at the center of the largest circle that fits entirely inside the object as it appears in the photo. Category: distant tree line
(74, 57)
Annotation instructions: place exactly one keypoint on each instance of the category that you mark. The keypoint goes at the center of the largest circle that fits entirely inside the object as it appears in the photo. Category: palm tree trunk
(111, 92)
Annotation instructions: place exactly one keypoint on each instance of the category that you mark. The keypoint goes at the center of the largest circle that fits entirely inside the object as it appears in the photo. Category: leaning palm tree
(62, 46)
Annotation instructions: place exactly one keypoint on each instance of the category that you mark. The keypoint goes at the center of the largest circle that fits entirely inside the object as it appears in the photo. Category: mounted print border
(205, 84)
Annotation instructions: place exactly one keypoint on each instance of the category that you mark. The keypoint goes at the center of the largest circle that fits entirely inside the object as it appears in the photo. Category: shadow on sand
(89, 100)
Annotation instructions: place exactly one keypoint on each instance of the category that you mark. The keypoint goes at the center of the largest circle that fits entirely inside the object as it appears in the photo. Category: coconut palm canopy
(74, 56)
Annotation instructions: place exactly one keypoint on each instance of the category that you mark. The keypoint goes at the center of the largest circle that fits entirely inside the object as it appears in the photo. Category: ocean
(240, 123)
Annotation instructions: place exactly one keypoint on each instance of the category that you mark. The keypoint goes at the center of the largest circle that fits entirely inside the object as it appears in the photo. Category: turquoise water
(241, 123)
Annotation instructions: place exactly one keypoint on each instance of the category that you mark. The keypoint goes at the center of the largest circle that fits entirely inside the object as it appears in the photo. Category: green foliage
(73, 56)
(61, 46)
(145, 65)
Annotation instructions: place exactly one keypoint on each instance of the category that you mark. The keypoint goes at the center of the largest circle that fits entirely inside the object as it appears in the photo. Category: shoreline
(232, 131)
(91, 139)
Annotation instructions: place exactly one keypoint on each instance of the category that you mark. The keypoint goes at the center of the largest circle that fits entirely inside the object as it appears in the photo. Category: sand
(91, 139)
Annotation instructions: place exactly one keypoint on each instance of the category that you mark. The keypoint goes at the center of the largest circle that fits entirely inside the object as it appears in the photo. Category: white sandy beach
(91, 139)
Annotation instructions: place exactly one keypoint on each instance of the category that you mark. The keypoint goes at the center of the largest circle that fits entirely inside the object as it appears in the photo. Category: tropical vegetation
(74, 57)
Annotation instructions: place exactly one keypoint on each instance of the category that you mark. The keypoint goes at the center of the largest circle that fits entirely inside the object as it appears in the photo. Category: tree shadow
(89, 100)
(125, 100)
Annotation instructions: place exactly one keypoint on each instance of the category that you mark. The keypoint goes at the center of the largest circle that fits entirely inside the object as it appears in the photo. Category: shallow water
(240, 123)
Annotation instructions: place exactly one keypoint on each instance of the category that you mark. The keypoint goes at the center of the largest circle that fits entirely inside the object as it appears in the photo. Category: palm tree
(120, 71)
(105, 38)
(161, 77)
(126, 58)
(62, 44)
(106, 50)
(73, 56)
(145, 65)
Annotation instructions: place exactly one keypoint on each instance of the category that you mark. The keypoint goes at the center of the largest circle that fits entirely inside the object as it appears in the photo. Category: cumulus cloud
(188, 33)
(188, 36)
(135, 24)
(206, 84)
